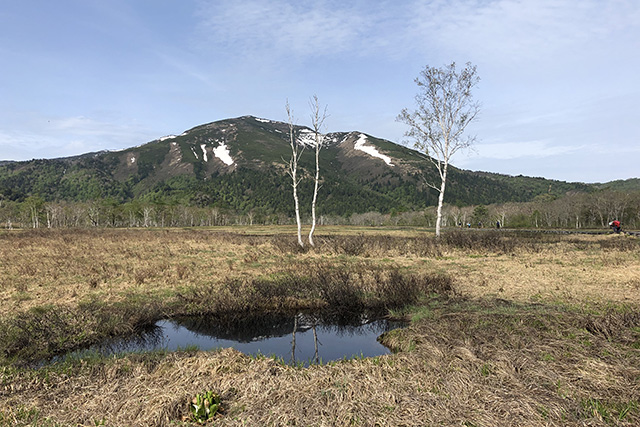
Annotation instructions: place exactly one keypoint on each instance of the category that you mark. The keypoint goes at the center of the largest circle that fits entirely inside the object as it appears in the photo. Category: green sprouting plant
(485, 370)
(597, 408)
(548, 357)
(205, 406)
(189, 348)
(627, 408)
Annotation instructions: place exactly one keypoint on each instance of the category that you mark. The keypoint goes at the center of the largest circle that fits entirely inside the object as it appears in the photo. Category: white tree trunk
(297, 207)
(146, 212)
(34, 218)
(295, 182)
(317, 117)
(293, 339)
(441, 201)
(315, 193)
(293, 171)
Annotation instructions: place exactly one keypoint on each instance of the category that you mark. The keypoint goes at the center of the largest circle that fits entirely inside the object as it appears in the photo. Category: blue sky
(559, 78)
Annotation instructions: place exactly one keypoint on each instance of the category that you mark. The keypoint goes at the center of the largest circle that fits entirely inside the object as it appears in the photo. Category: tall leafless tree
(444, 108)
(318, 117)
(296, 151)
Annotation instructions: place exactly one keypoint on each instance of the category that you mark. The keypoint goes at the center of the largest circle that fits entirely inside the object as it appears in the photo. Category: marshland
(503, 327)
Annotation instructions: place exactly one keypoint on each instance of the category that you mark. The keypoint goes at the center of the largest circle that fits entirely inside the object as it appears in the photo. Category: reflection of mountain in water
(301, 337)
(269, 325)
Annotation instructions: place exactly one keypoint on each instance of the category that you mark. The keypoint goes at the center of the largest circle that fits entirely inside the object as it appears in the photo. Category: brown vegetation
(506, 329)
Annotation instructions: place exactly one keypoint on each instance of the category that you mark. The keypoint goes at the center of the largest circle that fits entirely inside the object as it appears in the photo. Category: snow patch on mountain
(307, 137)
(193, 150)
(263, 120)
(204, 152)
(164, 138)
(370, 150)
(222, 152)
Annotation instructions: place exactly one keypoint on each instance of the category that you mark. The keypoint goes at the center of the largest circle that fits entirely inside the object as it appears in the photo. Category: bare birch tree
(318, 117)
(444, 108)
(296, 151)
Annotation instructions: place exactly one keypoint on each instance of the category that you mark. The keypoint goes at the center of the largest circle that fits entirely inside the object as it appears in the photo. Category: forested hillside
(238, 166)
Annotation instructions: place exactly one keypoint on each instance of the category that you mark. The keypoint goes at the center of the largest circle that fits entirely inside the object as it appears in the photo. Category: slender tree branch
(444, 108)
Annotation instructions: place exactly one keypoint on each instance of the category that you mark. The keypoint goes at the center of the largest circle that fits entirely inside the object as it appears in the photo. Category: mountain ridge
(240, 164)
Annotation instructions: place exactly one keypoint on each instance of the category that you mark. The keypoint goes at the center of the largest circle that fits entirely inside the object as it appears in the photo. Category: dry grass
(453, 371)
(70, 266)
(547, 331)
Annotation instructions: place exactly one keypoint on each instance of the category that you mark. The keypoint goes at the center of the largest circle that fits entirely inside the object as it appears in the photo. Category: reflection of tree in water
(250, 328)
(241, 329)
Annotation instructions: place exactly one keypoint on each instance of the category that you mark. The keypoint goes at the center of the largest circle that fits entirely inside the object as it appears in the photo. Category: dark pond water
(300, 338)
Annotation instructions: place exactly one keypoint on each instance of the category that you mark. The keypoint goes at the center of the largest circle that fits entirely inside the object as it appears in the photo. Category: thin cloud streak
(280, 28)
(500, 29)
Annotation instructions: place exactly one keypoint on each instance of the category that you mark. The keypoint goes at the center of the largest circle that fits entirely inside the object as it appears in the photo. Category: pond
(300, 338)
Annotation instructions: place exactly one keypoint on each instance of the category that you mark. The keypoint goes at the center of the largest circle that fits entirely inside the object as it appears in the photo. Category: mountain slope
(240, 164)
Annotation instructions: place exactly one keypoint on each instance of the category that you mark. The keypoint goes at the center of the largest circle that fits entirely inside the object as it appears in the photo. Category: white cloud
(280, 27)
(516, 30)
(515, 37)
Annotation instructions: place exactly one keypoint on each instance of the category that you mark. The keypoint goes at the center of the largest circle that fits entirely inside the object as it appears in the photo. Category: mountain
(628, 185)
(240, 164)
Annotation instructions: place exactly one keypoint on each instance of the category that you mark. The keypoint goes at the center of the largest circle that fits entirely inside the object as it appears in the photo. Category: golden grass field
(538, 330)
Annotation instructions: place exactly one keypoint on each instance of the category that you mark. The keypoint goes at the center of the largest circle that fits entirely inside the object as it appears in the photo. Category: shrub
(343, 287)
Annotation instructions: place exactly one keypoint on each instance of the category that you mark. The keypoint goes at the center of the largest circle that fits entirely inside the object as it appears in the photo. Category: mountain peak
(241, 163)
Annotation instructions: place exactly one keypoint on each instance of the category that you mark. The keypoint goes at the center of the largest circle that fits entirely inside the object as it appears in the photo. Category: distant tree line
(572, 211)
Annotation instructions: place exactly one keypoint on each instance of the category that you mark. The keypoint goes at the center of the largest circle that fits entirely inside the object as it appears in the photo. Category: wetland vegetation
(505, 328)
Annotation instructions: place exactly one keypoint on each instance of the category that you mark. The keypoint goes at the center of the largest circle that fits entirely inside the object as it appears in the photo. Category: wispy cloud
(66, 136)
(517, 30)
(280, 27)
(513, 30)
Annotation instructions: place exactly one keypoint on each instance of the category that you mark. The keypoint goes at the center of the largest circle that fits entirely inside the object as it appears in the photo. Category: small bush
(343, 287)
(46, 331)
(479, 241)
(349, 245)
(612, 323)
(288, 244)
(620, 244)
